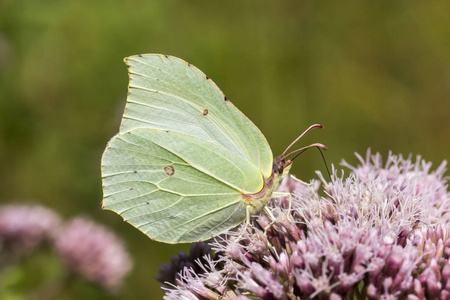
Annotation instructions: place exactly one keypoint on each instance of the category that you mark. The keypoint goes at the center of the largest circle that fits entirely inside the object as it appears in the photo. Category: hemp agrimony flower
(94, 252)
(24, 227)
(88, 249)
(382, 232)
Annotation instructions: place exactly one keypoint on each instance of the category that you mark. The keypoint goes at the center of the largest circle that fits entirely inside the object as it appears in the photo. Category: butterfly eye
(280, 168)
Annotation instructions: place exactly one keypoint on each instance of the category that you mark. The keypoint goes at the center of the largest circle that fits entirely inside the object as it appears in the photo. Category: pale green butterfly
(187, 165)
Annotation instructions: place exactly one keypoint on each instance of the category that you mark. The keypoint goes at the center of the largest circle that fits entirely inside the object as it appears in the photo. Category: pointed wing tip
(131, 57)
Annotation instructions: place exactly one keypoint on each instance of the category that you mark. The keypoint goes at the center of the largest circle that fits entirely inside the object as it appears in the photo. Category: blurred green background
(376, 74)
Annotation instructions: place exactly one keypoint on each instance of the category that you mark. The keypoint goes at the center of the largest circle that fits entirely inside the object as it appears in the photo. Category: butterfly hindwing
(175, 187)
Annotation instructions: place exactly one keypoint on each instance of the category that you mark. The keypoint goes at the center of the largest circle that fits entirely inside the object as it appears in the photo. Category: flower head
(23, 227)
(93, 252)
(380, 233)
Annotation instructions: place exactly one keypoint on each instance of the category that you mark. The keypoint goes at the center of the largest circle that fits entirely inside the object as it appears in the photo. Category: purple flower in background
(88, 249)
(382, 232)
(93, 252)
(23, 227)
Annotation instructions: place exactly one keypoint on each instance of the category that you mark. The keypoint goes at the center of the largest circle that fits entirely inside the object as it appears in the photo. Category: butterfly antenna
(325, 163)
(300, 136)
(323, 158)
(301, 150)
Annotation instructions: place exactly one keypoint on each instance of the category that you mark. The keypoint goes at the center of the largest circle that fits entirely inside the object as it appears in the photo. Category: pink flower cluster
(382, 232)
(94, 252)
(88, 249)
(24, 227)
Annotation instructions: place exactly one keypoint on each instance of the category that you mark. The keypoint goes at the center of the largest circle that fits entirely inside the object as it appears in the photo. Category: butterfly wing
(176, 187)
(168, 93)
(184, 154)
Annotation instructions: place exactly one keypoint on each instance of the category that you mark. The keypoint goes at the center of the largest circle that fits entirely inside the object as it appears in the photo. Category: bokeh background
(376, 74)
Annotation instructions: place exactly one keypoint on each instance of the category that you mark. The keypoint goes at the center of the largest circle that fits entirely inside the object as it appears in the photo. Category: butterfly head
(282, 163)
(281, 166)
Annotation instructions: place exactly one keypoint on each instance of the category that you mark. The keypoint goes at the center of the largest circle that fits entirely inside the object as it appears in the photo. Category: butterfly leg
(281, 195)
(247, 222)
(272, 217)
(247, 216)
(299, 180)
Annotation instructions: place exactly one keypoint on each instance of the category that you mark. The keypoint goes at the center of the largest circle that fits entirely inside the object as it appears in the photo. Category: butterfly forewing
(167, 93)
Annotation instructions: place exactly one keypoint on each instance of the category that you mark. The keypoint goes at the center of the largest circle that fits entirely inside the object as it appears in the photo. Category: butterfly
(186, 165)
